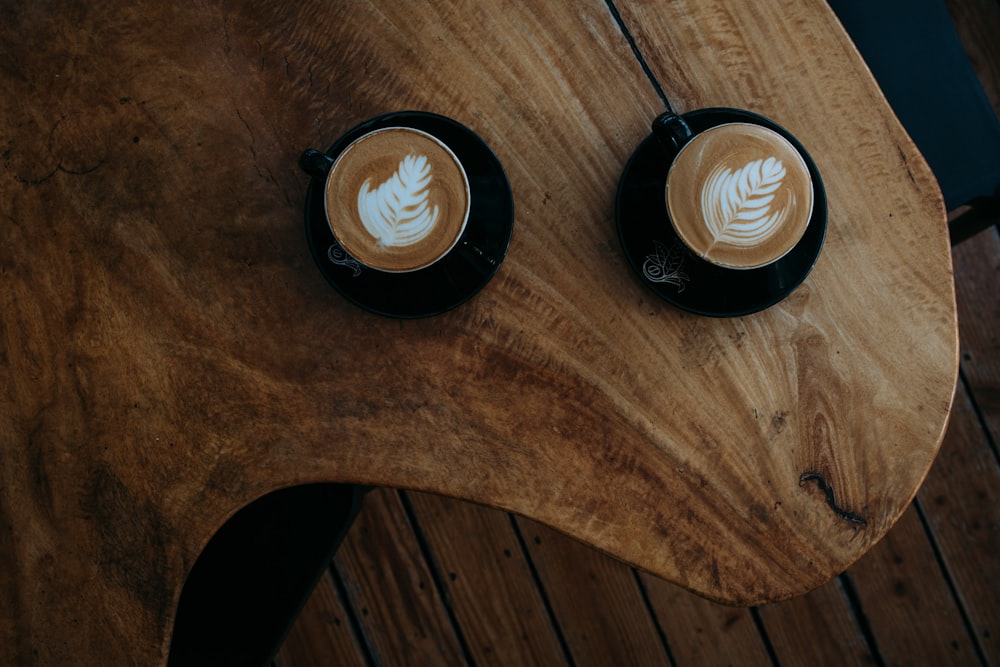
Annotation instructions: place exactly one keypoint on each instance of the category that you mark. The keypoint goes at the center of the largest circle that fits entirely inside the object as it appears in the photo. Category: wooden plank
(959, 501)
(322, 633)
(818, 628)
(959, 495)
(909, 607)
(596, 599)
(391, 588)
(488, 582)
(700, 632)
(977, 269)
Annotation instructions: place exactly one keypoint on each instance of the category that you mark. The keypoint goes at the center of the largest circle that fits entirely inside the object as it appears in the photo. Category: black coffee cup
(453, 276)
(738, 193)
(664, 261)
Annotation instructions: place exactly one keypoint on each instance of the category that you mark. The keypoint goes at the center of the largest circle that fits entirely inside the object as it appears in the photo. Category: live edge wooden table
(169, 351)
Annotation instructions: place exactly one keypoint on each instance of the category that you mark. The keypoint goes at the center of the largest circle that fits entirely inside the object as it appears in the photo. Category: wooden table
(169, 352)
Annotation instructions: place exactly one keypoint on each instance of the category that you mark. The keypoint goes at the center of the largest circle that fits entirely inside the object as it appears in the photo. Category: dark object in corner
(257, 572)
(914, 51)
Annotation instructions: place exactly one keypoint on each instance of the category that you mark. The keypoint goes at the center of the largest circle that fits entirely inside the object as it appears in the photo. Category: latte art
(398, 213)
(737, 204)
(739, 195)
(397, 199)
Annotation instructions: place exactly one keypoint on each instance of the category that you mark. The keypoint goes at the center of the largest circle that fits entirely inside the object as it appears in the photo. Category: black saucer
(682, 278)
(457, 276)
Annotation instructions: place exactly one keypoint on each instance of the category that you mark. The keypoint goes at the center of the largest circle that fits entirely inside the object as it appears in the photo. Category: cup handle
(671, 131)
(315, 163)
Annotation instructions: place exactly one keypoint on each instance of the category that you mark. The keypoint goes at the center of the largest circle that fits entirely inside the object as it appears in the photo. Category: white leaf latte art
(737, 204)
(398, 212)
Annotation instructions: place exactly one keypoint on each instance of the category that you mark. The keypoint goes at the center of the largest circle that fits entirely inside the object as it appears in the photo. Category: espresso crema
(739, 195)
(397, 199)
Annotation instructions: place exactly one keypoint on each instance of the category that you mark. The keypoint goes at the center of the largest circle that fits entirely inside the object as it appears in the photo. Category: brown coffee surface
(397, 199)
(739, 195)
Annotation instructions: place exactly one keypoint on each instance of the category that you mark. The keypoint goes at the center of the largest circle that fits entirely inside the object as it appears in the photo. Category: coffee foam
(397, 199)
(739, 195)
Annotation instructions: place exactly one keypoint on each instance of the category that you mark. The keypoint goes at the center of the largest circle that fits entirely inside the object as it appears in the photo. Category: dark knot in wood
(830, 498)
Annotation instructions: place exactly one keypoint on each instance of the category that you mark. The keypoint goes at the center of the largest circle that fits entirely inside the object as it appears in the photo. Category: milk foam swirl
(739, 195)
(737, 204)
(398, 212)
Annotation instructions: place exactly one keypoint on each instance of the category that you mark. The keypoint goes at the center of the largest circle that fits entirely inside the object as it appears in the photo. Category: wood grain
(414, 624)
(488, 583)
(900, 583)
(978, 262)
(322, 633)
(816, 629)
(701, 632)
(597, 600)
(958, 497)
(957, 501)
(170, 353)
(828, 625)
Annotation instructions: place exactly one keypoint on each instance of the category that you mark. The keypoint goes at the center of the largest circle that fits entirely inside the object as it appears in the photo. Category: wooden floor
(422, 580)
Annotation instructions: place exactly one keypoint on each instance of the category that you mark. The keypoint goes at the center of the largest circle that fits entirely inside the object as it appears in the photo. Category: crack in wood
(830, 498)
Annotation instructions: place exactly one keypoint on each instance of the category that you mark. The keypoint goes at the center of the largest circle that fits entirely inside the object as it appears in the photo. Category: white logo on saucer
(666, 265)
(398, 213)
(737, 204)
